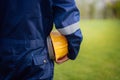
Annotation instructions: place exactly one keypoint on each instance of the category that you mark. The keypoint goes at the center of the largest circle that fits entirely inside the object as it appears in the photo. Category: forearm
(66, 19)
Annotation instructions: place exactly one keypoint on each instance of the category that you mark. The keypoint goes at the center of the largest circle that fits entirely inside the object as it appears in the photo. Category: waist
(21, 43)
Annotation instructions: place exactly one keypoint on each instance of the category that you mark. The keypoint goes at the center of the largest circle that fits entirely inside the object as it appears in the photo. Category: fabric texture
(24, 27)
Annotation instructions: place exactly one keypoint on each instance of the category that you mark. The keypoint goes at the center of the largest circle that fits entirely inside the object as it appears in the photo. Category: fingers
(61, 60)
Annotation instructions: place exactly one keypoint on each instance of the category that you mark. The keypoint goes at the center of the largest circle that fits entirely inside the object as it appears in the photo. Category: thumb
(61, 60)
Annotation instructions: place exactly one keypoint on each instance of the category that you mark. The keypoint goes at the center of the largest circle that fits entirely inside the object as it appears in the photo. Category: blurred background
(99, 9)
(99, 56)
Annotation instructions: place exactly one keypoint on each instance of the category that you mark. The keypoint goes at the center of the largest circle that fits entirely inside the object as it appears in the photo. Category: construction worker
(24, 28)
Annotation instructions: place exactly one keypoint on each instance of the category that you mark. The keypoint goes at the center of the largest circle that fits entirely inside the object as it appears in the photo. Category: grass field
(99, 57)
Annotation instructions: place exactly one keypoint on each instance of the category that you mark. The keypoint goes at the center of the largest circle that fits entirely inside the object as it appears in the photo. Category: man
(24, 27)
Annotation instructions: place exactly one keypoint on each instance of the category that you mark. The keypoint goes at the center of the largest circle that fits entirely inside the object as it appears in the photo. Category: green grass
(99, 57)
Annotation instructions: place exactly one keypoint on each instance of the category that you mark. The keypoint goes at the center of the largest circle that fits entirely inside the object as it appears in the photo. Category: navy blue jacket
(25, 25)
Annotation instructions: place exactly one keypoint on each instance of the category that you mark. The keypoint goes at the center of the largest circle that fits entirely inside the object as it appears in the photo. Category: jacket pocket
(43, 64)
(39, 59)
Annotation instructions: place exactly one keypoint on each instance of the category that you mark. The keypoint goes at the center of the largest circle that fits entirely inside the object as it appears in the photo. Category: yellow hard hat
(57, 45)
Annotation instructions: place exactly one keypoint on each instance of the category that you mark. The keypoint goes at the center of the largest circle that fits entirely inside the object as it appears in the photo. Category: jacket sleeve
(66, 19)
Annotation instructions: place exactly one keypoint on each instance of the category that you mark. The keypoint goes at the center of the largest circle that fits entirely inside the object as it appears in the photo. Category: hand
(61, 60)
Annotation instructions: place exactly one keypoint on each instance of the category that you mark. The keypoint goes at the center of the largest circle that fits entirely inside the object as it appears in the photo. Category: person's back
(24, 19)
(24, 27)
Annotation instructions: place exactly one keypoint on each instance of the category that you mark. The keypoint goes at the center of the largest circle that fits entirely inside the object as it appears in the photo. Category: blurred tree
(113, 7)
(99, 9)
(116, 9)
